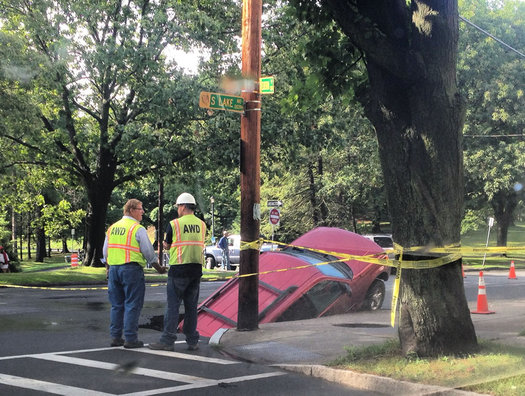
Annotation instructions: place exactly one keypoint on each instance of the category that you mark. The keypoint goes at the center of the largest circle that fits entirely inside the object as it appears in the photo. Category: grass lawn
(495, 369)
(478, 239)
(55, 271)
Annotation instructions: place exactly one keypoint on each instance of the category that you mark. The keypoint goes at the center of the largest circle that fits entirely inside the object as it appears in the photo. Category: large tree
(111, 107)
(410, 53)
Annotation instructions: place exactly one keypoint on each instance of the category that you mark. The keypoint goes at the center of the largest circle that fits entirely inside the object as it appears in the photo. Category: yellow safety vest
(187, 245)
(122, 245)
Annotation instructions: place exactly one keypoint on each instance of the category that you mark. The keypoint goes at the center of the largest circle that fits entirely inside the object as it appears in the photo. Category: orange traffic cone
(483, 306)
(512, 271)
(74, 260)
(463, 271)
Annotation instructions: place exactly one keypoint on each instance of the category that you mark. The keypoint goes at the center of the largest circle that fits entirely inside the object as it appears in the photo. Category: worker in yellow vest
(127, 249)
(185, 240)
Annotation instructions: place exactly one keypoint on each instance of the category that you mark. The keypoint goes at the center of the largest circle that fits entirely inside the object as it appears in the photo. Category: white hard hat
(185, 198)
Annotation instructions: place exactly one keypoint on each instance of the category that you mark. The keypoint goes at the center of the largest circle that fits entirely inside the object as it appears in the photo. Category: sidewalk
(307, 345)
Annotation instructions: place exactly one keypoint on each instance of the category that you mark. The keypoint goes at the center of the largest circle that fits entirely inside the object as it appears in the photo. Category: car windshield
(335, 269)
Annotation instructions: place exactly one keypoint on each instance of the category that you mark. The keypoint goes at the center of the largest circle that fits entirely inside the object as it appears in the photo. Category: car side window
(315, 301)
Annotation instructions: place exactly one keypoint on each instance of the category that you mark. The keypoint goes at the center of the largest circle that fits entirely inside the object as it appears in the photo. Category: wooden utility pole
(250, 164)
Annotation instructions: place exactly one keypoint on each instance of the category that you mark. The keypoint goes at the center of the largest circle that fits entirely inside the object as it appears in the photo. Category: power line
(492, 37)
(496, 136)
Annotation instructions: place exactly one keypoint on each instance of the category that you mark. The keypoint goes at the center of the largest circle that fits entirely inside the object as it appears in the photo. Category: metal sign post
(491, 223)
(275, 218)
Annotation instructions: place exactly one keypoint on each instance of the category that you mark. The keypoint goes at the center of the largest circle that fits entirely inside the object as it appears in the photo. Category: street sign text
(217, 101)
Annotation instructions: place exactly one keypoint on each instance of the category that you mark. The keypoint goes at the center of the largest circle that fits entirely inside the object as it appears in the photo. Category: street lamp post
(212, 200)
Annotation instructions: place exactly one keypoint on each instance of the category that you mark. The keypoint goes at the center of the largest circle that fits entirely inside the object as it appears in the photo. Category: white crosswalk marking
(111, 366)
(189, 381)
(187, 356)
(50, 387)
(205, 384)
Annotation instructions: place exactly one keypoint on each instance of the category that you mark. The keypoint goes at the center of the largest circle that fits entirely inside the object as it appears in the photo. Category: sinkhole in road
(156, 322)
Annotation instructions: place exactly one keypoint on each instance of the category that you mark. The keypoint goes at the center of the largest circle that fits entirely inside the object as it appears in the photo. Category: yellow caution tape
(71, 288)
(255, 245)
(395, 291)
(450, 254)
(55, 288)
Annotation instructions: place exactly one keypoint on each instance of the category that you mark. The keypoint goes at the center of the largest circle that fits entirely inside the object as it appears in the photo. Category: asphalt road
(56, 342)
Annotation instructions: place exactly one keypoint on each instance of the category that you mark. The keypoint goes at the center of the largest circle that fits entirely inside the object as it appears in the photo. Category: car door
(234, 246)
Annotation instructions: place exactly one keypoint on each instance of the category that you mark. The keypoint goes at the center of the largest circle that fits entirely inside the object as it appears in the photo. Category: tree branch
(70, 128)
(134, 175)
(23, 143)
(386, 44)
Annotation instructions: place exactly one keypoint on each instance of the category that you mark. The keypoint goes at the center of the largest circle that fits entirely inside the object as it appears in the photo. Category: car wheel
(375, 296)
(210, 262)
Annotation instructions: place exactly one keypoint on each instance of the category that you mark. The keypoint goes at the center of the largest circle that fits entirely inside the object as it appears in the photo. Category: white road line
(204, 384)
(49, 387)
(188, 356)
(192, 382)
(178, 355)
(111, 366)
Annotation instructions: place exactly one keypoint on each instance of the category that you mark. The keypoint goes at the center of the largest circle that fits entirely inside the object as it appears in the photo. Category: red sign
(275, 215)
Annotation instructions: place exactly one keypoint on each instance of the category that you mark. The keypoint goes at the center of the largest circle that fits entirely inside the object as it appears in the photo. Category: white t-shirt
(2, 258)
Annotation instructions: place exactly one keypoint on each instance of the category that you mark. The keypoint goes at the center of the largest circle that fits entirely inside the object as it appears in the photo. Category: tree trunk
(354, 220)
(323, 209)
(29, 231)
(313, 199)
(13, 230)
(419, 125)
(504, 203)
(64, 245)
(99, 194)
(21, 253)
(413, 102)
(40, 237)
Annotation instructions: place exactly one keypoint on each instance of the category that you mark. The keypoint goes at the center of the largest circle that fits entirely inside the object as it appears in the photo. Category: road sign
(274, 203)
(275, 216)
(217, 101)
(266, 85)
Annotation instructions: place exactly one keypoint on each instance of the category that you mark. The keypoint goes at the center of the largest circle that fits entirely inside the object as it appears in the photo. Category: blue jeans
(181, 289)
(226, 259)
(126, 289)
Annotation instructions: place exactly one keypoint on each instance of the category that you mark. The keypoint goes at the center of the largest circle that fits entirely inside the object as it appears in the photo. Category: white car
(386, 242)
(383, 240)
(213, 254)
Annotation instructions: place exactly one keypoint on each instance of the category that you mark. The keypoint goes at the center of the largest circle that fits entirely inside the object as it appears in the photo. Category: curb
(370, 382)
(216, 337)
(363, 381)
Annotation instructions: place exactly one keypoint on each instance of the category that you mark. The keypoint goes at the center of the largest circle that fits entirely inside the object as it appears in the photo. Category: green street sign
(266, 85)
(217, 101)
